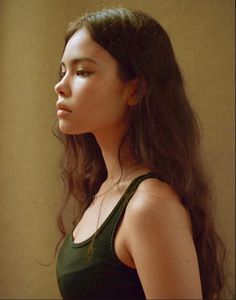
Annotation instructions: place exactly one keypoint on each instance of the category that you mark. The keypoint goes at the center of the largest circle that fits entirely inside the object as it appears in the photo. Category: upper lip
(62, 106)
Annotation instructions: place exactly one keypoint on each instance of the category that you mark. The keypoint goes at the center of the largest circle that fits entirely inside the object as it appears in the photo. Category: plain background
(32, 35)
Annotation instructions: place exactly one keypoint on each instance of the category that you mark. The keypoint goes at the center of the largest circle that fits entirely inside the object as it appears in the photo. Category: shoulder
(160, 243)
(156, 203)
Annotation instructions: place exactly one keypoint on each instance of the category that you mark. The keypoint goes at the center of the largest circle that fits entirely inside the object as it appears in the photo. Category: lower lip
(62, 113)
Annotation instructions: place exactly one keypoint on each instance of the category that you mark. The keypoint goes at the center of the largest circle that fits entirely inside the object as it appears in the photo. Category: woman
(143, 227)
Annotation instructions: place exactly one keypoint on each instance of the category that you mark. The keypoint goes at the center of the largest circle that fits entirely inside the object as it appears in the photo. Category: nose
(62, 88)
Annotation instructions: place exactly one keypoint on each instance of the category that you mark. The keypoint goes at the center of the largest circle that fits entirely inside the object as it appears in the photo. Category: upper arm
(161, 245)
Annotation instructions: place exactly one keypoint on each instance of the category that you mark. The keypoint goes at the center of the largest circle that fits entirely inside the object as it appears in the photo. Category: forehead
(82, 45)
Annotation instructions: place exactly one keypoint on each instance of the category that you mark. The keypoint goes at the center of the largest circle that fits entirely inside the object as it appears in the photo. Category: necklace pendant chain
(95, 197)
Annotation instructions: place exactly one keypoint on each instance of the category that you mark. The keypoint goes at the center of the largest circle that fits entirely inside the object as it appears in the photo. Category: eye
(83, 73)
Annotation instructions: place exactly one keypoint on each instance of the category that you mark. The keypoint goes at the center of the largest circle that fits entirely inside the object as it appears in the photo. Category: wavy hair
(164, 132)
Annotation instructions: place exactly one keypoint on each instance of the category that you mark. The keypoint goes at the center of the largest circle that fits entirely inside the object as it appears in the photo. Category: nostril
(61, 93)
(58, 89)
(62, 88)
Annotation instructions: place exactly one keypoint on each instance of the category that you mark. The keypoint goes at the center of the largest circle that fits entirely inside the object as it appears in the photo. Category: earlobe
(133, 100)
(137, 91)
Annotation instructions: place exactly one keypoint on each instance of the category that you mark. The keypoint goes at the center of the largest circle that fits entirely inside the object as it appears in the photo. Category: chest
(96, 217)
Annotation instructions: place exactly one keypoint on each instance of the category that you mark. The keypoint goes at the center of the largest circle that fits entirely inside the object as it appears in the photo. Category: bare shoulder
(160, 243)
(156, 203)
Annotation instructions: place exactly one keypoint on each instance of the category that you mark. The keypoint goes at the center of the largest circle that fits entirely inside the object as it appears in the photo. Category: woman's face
(90, 88)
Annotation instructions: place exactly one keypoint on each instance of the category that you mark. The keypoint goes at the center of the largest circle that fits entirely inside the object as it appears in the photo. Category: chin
(70, 131)
(66, 129)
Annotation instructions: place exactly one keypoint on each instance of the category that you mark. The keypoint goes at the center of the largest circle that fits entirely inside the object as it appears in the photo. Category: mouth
(63, 112)
(64, 109)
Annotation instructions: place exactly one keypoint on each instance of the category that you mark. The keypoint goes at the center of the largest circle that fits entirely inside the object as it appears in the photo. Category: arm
(161, 245)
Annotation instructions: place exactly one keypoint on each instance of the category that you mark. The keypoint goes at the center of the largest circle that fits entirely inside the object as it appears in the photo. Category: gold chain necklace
(95, 197)
(90, 250)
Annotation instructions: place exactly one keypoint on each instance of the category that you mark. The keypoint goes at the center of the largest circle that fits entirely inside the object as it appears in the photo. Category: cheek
(96, 106)
(104, 99)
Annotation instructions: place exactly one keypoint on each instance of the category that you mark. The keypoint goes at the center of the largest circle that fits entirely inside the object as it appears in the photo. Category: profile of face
(90, 93)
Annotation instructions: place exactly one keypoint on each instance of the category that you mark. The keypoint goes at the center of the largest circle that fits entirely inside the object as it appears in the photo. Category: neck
(110, 143)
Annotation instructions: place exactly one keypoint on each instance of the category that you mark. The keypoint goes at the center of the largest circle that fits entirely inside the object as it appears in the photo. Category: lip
(61, 105)
(62, 109)
(63, 112)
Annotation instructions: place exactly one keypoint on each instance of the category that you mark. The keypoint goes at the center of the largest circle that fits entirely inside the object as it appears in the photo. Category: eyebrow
(75, 61)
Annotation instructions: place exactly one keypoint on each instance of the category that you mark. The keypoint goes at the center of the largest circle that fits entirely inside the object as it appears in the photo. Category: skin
(155, 234)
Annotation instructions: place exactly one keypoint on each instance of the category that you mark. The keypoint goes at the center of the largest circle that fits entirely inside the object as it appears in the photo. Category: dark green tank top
(101, 275)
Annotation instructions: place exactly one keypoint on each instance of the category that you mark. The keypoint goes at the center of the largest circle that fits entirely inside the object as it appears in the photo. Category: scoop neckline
(86, 241)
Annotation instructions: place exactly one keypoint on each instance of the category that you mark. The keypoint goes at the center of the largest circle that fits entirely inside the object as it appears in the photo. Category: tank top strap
(113, 219)
(134, 185)
(117, 217)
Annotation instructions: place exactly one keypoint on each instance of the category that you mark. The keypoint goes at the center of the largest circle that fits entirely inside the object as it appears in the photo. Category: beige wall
(32, 33)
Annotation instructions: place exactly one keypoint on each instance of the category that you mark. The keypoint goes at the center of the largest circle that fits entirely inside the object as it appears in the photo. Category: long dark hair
(164, 133)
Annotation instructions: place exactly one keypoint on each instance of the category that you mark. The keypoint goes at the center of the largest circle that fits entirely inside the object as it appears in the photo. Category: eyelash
(78, 73)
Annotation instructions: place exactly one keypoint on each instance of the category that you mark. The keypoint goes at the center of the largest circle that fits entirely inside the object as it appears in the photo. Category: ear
(137, 89)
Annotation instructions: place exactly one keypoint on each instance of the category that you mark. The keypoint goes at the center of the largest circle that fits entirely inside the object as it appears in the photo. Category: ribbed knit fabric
(101, 275)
